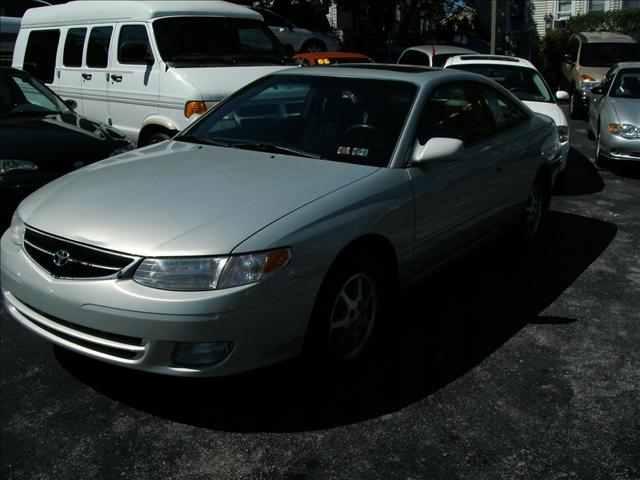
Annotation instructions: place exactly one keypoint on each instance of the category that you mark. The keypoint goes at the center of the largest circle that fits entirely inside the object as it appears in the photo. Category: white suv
(521, 78)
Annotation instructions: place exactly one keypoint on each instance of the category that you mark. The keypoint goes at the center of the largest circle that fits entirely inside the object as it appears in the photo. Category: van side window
(98, 49)
(133, 45)
(40, 56)
(73, 46)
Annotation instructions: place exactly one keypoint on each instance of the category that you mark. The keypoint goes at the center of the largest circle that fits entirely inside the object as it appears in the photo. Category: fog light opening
(189, 354)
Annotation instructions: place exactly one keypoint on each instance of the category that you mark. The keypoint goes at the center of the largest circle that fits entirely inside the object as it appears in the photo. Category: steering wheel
(371, 128)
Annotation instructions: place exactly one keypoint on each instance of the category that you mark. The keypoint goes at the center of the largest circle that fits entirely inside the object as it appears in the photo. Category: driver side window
(454, 110)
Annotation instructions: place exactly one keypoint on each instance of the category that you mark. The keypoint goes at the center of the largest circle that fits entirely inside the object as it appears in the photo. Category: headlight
(127, 148)
(624, 130)
(16, 229)
(563, 134)
(17, 165)
(209, 273)
(587, 82)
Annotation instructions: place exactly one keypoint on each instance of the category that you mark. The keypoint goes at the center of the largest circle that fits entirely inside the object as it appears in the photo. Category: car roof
(628, 65)
(604, 37)
(316, 55)
(381, 71)
(429, 49)
(489, 60)
(85, 11)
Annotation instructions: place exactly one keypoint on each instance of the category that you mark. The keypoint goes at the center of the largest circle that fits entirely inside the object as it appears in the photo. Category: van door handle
(116, 78)
(86, 76)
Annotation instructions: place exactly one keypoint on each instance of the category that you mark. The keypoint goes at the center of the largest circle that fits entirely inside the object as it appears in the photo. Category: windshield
(22, 94)
(341, 119)
(441, 58)
(608, 54)
(627, 84)
(216, 41)
(524, 83)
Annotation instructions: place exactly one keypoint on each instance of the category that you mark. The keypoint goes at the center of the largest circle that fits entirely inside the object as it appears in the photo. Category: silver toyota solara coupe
(279, 223)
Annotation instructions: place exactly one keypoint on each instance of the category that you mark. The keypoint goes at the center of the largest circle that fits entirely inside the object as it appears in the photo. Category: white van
(145, 67)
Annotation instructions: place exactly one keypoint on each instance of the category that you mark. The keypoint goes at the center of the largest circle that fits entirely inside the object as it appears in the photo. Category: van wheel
(350, 304)
(157, 137)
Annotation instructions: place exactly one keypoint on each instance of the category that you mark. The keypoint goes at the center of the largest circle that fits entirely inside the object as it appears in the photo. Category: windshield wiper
(270, 148)
(200, 141)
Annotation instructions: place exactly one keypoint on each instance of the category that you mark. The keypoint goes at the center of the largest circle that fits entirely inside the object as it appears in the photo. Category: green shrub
(549, 57)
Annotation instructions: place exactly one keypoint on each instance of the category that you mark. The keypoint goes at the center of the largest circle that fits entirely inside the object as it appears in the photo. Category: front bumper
(127, 324)
(614, 148)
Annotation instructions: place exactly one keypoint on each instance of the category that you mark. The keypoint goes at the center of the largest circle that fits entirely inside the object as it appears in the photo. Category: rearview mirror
(72, 104)
(567, 58)
(562, 96)
(437, 149)
(597, 90)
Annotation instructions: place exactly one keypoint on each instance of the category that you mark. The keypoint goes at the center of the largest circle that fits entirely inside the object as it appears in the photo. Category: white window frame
(560, 16)
(607, 6)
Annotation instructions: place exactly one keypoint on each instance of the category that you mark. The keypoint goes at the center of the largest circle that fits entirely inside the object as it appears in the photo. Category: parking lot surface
(513, 363)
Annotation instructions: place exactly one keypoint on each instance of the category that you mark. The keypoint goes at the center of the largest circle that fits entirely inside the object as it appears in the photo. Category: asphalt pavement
(515, 363)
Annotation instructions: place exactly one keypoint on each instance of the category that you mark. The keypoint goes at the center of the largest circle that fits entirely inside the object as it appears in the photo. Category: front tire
(534, 210)
(349, 306)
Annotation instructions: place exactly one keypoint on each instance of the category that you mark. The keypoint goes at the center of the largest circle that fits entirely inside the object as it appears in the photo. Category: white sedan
(521, 78)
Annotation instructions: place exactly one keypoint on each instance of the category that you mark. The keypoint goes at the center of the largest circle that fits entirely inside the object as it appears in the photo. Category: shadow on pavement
(627, 169)
(581, 177)
(441, 329)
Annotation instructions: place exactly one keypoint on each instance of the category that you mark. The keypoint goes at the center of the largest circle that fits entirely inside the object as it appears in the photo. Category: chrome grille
(66, 259)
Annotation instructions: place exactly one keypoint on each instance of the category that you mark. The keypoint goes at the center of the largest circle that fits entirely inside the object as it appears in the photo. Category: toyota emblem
(61, 258)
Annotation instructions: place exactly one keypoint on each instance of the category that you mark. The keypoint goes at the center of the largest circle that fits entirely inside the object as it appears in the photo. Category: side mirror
(562, 96)
(567, 58)
(597, 90)
(437, 149)
(72, 104)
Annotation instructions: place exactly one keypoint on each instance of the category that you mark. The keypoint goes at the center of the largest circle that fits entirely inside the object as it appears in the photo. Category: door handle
(86, 76)
(116, 78)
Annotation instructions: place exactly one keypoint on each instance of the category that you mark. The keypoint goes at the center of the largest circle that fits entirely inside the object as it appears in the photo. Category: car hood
(550, 110)
(217, 83)
(627, 109)
(179, 199)
(64, 141)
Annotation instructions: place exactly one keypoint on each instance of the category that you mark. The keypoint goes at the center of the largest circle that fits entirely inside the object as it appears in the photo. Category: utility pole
(494, 21)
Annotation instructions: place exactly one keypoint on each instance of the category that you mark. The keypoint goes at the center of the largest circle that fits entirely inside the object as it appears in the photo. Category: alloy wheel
(353, 316)
(533, 211)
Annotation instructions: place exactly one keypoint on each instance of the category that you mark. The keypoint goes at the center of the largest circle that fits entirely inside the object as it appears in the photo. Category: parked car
(279, 222)
(330, 58)
(431, 55)
(146, 74)
(614, 114)
(42, 138)
(521, 78)
(587, 58)
(9, 28)
(301, 39)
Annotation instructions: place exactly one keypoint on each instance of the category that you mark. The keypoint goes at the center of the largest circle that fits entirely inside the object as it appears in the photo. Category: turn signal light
(194, 107)
(587, 78)
(615, 128)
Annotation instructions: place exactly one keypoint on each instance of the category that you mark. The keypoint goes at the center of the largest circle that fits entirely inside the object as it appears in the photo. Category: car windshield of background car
(213, 41)
(351, 120)
(21, 94)
(524, 83)
(608, 54)
(627, 84)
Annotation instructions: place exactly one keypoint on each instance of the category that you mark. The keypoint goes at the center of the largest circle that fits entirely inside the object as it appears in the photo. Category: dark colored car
(42, 138)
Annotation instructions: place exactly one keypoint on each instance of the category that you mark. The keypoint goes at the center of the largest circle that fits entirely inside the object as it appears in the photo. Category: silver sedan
(279, 223)
(614, 114)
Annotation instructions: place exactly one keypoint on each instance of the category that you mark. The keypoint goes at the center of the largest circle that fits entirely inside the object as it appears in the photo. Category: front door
(95, 74)
(133, 80)
(69, 85)
(453, 198)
